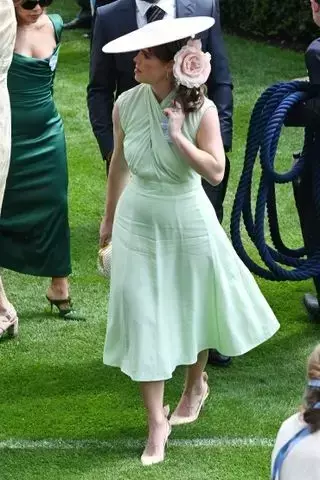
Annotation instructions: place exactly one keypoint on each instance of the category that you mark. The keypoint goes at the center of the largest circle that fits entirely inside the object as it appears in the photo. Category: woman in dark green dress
(34, 229)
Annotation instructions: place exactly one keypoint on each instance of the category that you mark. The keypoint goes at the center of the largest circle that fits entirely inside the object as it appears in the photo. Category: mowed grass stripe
(131, 443)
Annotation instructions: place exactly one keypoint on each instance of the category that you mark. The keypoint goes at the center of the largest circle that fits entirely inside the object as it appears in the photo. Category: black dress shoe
(311, 304)
(217, 359)
(78, 23)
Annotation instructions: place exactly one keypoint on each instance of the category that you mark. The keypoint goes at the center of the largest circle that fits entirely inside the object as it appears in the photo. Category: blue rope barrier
(264, 132)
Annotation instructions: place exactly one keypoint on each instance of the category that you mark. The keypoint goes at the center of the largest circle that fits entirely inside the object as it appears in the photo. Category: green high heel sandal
(65, 309)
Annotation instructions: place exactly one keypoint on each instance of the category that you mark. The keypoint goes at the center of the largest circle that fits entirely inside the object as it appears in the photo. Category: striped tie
(154, 13)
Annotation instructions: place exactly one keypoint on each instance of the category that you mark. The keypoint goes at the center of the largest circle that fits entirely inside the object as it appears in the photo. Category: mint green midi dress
(34, 228)
(177, 285)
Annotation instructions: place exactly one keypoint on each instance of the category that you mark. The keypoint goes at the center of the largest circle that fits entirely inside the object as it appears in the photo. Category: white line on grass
(130, 443)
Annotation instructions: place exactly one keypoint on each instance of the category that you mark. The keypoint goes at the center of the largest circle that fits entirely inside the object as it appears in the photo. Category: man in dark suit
(307, 114)
(110, 75)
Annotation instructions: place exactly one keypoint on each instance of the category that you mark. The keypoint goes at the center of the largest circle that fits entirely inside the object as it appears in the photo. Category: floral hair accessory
(192, 66)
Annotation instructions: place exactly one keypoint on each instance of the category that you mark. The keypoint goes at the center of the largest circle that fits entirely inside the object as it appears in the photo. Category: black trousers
(85, 11)
(310, 224)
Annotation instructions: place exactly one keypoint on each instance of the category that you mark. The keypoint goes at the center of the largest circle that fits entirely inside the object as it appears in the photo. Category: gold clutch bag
(104, 260)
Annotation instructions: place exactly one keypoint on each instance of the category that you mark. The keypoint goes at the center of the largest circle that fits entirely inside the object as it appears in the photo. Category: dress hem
(193, 361)
(38, 274)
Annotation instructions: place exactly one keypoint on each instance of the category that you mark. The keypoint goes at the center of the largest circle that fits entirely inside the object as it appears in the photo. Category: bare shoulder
(45, 25)
(208, 110)
(208, 104)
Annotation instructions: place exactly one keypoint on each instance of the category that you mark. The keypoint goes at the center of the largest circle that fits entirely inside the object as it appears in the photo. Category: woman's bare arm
(117, 179)
(207, 157)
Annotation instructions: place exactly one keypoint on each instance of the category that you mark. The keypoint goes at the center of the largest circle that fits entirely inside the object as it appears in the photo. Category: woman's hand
(105, 232)
(176, 118)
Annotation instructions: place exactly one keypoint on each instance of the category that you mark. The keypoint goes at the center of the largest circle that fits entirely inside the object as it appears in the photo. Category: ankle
(5, 307)
(60, 288)
(157, 421)
(196, 388)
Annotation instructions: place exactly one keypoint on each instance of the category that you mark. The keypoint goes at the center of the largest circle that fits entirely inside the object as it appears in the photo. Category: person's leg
(4, 302)
(58, 295)
(85, 6)
(316, 282)
(59, 288)
(310, 228)
(195, 389)
(312, 302)
(9, 321)
(159, 429)
(84, 17)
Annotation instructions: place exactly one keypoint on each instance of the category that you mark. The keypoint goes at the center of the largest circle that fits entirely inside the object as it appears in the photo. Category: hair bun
(191, 99)
(312, 417)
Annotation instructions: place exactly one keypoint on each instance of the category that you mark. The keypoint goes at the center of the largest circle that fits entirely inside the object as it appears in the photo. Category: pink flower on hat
(191, 65)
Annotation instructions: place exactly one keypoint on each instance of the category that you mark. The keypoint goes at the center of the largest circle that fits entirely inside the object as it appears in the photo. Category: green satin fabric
(34, 229)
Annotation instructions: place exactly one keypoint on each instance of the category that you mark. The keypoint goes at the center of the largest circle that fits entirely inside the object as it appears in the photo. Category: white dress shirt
(168, 6)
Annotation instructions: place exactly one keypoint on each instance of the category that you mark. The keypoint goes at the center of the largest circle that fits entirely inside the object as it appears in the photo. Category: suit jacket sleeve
(220, 83)
(102, 85)
(100, 3)
(307, 114)
(312, 59)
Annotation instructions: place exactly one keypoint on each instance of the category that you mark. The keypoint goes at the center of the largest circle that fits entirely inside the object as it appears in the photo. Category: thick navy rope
(265, 127)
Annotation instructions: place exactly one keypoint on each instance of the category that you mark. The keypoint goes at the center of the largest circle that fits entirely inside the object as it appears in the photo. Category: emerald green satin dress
(34, 228)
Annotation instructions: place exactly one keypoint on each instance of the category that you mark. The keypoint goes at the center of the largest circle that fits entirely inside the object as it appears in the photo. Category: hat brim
(158, 33)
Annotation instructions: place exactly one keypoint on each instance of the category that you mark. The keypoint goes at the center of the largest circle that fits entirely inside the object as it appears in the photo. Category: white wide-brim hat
(158, 33)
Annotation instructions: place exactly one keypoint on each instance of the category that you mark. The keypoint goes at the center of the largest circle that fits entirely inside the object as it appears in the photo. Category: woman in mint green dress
(177, 286)
(34, 229)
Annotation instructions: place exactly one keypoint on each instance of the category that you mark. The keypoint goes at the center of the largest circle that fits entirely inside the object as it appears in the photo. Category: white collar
(143, 7)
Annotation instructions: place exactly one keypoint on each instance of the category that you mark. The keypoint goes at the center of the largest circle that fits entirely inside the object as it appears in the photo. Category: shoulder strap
(286, 449)
(57, 23)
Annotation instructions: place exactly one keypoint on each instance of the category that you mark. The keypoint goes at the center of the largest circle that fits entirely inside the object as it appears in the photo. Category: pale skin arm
(207, 157)
(117, 179)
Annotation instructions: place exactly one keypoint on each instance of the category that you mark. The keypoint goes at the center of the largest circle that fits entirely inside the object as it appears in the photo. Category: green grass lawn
(53, 383)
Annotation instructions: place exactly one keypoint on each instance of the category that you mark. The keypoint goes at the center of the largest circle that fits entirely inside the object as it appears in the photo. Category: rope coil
(265, 127)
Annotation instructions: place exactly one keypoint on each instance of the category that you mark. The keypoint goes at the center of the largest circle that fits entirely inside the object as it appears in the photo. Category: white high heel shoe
(176, 419)
(148, 460)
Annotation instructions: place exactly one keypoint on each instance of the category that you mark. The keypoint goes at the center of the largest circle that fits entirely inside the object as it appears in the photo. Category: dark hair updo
(191, 99)
(312, 415)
